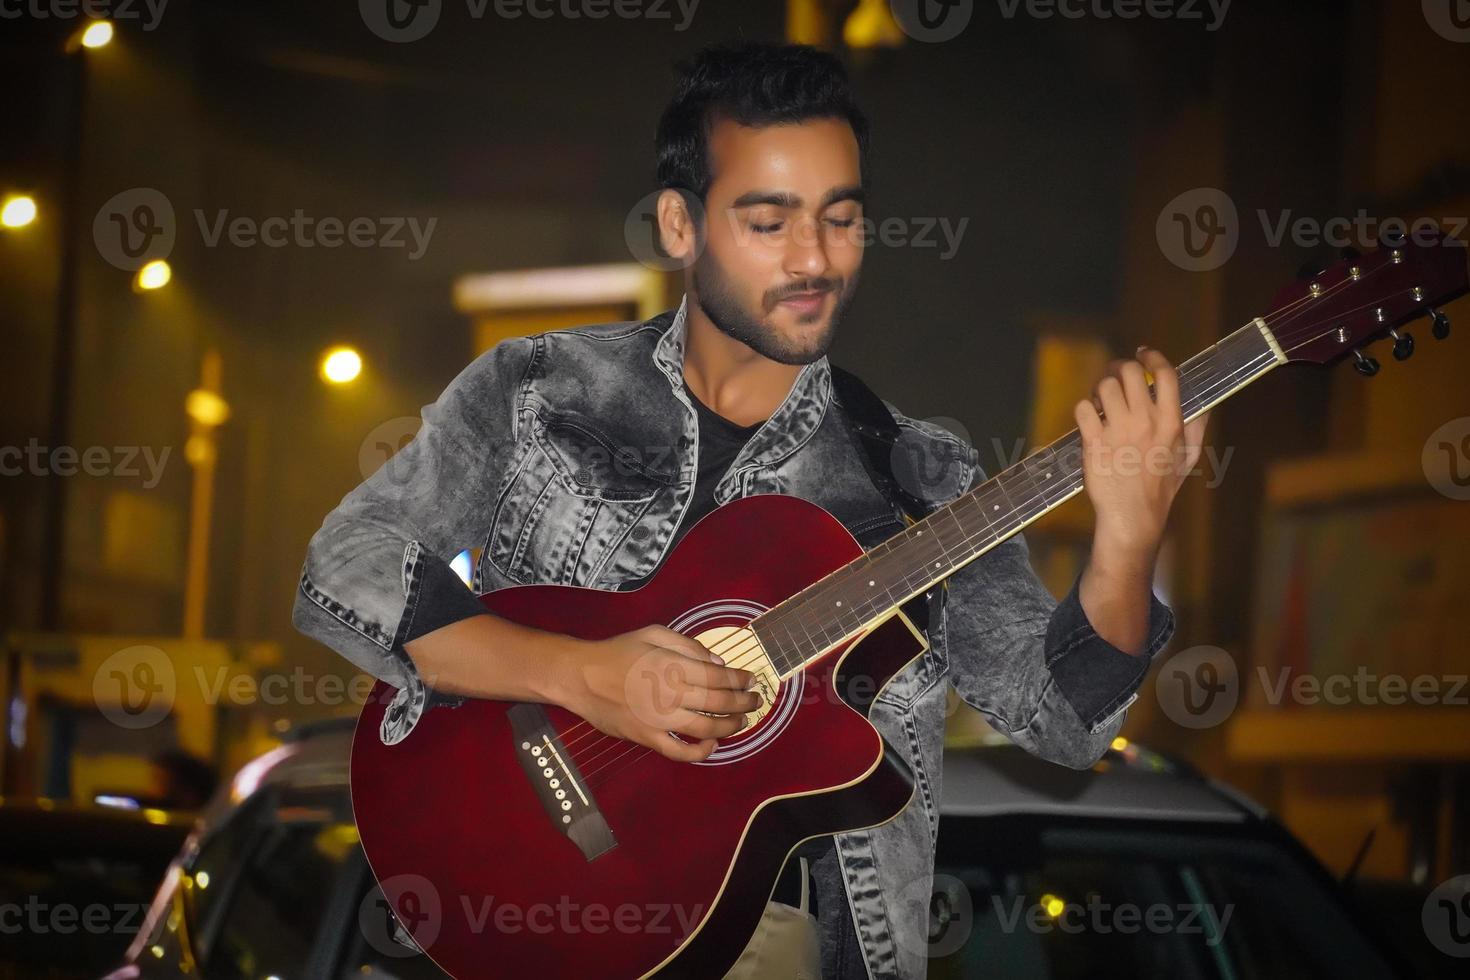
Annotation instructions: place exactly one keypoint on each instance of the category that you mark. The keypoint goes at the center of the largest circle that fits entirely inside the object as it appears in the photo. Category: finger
(1135, 387)
(721, 701)
(1166, 380)
(687, 645)
(675, 748)
(1110, 396)
(1088, 423)
(728, 678)
(696, 725)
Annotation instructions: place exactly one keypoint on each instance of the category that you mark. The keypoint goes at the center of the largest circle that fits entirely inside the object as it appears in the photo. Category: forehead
(808, 157)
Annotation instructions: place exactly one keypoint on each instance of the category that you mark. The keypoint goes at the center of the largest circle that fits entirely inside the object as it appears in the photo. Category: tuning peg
(1440, 324)
(1367, 366)
(1403, 345)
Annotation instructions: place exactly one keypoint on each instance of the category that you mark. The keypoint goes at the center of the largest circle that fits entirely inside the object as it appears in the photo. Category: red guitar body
(472, 849)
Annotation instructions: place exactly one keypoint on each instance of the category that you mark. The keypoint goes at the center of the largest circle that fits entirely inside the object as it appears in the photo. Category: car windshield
(1072, 899)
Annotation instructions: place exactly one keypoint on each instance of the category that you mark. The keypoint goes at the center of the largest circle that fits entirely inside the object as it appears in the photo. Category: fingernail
(1141, 348)
(718, 659)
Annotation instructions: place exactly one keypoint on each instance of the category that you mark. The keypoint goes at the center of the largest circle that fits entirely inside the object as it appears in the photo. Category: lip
(806, 302)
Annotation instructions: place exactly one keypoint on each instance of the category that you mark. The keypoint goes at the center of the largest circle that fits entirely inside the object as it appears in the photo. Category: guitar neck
(870, 588)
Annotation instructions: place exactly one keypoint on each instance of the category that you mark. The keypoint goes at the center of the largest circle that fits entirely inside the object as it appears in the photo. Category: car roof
(984, 778)
(1129, 782)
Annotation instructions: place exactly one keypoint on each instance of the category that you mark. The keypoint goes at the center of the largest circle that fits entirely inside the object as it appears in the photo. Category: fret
(912, 560)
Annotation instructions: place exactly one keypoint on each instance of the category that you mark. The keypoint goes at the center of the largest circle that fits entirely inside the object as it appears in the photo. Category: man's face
(783, 235)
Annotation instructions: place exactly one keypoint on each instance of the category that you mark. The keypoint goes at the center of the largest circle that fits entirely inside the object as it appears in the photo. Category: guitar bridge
(557, 782)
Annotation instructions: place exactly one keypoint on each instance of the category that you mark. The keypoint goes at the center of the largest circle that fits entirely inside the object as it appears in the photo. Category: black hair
(752, 84)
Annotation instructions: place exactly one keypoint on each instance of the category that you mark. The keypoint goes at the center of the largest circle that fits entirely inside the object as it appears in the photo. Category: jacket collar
(788, 428)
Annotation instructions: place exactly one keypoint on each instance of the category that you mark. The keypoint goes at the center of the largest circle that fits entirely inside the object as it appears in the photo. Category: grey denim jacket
(569, 457)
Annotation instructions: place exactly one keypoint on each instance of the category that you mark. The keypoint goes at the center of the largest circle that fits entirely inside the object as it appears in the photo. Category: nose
(806, 252)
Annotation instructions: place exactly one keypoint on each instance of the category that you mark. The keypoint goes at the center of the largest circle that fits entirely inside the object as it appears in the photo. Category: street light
(97, 34)
(341, 365)
(153, 275)
(18, 211)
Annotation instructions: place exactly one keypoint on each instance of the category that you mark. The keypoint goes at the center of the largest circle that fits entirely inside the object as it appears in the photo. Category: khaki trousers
(785, 945)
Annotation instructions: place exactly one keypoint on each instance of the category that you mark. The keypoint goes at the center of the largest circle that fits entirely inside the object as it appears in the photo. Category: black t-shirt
(720, 441)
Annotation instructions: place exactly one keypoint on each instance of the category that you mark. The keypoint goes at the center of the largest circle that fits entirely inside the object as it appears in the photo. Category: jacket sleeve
(377, 572)
(1035, 667)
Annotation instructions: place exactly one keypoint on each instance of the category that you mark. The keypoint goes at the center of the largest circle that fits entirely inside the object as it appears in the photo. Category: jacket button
(583, 476)
(639, 533)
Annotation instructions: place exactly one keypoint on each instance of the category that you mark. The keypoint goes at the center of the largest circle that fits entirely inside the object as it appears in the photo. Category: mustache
(819, 285)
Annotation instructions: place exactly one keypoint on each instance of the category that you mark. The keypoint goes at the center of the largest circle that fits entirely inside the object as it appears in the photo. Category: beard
(717, 297)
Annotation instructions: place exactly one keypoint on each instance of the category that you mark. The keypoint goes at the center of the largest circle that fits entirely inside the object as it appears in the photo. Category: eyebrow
(785, 199)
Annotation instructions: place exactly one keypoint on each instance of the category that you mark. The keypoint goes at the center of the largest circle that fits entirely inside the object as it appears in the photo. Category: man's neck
(726, 375)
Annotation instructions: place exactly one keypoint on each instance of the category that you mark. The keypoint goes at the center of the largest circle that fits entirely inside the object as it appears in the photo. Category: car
(75, 882)
(1136, 868)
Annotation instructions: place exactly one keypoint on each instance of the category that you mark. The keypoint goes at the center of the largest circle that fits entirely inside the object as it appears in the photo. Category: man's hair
(754, 85)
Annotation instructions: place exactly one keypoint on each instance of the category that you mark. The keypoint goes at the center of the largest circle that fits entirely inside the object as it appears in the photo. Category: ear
(678, 228)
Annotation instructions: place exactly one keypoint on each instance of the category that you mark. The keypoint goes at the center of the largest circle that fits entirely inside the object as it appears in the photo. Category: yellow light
(18, 211)
(1119, 744)
(206, 407)
(97, 34)
(201, 879)
(1052, 905)
(154, 275)
(155, 816)
(341, 365)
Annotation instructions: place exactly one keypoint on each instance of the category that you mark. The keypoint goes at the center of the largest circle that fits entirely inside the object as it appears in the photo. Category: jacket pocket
(571, 498)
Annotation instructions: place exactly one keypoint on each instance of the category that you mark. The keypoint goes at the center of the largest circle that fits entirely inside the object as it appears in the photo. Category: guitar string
(1295, 341)
(1026, 483)
(747, 639)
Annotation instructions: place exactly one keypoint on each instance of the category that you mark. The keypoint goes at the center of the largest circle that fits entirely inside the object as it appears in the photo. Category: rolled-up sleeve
(377, 572)
(1035, 667)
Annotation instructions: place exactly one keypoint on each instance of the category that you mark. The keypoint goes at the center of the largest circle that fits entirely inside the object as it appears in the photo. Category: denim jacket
(569, 457)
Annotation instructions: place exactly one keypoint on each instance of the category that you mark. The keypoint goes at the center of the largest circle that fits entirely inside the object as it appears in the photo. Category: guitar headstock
(1364, 298)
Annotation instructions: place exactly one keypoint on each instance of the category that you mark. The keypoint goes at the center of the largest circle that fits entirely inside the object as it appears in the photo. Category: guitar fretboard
(869, 588)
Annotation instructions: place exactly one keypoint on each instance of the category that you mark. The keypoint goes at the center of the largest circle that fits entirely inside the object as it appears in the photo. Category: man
(542, 454)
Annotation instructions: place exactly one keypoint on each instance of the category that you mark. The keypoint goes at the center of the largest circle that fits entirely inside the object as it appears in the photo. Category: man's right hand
(650, 682)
